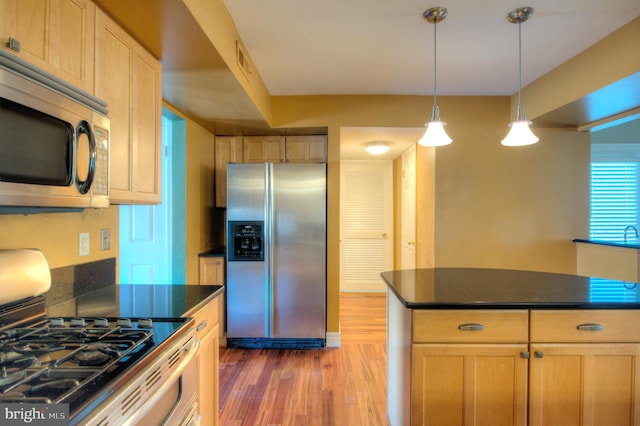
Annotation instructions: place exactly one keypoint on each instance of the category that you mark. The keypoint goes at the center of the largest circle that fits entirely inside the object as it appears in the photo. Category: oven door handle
(192, 351)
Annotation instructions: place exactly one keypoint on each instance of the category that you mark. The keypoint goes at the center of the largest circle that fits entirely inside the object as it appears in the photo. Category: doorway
(366, 224)
(152, 237)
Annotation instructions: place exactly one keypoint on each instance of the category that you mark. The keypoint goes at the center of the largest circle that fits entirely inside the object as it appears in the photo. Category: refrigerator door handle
(269, 233)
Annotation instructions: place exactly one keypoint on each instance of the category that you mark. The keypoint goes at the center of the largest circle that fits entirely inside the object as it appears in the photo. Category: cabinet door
(55, 35)
(208, 361)
(208, 373)
(228, 149)
(468, 384)
(129, 79)
(584, 384)
(306, 149)
(211, 271)
(262, 149)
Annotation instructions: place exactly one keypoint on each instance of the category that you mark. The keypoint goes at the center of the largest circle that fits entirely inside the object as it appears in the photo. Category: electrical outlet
(105, 239)
(83, 244)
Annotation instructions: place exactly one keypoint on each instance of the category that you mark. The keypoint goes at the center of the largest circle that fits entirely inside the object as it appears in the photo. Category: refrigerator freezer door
(247, 291)
(298, 252)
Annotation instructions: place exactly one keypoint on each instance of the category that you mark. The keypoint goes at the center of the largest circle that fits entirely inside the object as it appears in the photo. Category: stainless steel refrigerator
(276, 255)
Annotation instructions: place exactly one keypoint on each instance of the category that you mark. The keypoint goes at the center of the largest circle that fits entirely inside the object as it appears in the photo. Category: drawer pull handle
(590, 327)
(471, 327)
(201, 326)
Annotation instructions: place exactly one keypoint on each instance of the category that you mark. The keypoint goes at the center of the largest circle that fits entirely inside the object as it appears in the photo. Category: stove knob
(124, 322)
(78, 322)
(101, 322)
(145, 323)
(56, 322)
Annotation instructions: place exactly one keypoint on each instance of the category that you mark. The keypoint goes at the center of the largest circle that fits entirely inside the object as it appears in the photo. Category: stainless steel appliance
(112, 371)
(276, 255)
(54, 140)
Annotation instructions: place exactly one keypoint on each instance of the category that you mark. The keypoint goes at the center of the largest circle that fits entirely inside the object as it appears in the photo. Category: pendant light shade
(520, 133)
(435, 134)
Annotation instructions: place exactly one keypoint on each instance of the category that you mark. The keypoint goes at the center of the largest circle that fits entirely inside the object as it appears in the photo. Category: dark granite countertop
(608, 243)
(159, 301)
(474, 288)
(215, 252)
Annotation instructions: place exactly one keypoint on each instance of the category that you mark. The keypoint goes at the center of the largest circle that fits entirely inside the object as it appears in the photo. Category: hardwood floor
(331, 386)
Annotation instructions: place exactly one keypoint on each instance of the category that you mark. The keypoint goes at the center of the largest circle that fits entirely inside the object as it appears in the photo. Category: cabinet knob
(525, 355)
(539, 354)
(471, 327)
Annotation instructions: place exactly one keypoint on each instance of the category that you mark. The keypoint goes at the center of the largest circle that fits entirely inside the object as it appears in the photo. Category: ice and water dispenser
(246, 241)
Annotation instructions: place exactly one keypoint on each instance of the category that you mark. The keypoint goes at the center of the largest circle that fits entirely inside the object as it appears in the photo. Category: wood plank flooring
(331, 386)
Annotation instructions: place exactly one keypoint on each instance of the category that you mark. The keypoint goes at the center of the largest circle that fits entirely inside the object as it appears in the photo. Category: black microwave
(54, 141)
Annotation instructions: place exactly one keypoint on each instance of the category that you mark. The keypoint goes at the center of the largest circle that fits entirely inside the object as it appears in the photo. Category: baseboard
(332, 340)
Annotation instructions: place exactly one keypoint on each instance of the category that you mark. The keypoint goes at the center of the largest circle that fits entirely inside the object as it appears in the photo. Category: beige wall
(479, 203)
(56, 234)
(509, 207)
(615, 57)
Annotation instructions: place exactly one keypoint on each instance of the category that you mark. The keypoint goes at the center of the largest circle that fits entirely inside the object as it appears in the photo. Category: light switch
(83, 244)
(105, 239)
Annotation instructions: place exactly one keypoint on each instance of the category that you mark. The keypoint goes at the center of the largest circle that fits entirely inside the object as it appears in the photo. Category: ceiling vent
(243, 59)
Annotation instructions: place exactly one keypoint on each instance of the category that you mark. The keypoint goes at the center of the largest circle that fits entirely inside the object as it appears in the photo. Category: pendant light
(435, 134)
(520, 133)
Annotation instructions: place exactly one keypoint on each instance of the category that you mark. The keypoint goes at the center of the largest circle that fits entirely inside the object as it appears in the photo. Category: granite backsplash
(70, 282)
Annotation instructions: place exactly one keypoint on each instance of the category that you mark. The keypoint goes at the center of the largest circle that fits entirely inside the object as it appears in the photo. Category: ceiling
(364, 47)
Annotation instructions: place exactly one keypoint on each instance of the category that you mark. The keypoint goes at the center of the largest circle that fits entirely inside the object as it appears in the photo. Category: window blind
(614, 199)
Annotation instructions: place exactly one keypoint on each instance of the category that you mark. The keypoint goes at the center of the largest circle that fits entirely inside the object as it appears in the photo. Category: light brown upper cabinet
(228, 149)
(306, 149)
(54, 35)
(264, 149)
(129, 79)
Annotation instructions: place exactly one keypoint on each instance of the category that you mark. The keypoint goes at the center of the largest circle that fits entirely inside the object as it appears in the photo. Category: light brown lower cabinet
(211, 271)
(474, 367)
(584, 384)
(469, 384)
(208, 359)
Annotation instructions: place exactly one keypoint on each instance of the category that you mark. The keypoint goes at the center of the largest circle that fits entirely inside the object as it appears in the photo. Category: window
(615, 174)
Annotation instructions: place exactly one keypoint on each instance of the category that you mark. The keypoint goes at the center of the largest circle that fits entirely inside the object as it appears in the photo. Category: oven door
(164, 393)
(174, 404)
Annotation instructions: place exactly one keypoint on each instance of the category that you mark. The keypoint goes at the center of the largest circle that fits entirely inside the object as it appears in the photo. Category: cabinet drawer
(206, 318)
(470, 326)
(585, 326)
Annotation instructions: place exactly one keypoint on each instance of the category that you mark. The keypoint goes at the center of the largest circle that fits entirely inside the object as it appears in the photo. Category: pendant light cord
(435, 113)
(520, 109)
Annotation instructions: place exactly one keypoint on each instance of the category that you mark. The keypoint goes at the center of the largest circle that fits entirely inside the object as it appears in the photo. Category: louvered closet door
(366, 224)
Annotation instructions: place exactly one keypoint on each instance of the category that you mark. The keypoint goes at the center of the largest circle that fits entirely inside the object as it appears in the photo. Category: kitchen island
(489, 346)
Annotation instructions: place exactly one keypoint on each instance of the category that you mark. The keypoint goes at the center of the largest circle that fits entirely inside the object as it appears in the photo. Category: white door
(366, 224)
(152, 236)
(408, 254)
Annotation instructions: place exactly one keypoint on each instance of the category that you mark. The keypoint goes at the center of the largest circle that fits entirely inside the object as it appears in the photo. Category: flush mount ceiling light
(376, 148)
(520, 133)
(435, 134)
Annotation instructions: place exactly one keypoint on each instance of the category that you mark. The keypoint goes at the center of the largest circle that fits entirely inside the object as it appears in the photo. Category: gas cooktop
(78, 361)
